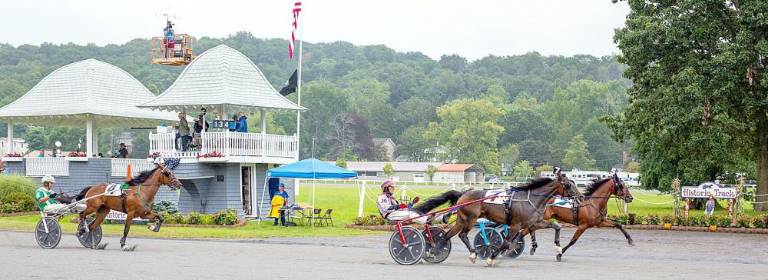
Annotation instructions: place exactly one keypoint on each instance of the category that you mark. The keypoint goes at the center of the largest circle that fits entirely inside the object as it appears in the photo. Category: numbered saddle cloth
(115, 189)
(562, 202)
(501, 196)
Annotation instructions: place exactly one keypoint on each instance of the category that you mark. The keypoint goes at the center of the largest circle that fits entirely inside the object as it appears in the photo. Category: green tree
(509, 155)
(632, 166)
(35, 138)
(523, 170)
(430, 171)
(469, 130)
(577, 155)
(698, 101)
(389, 169)
(341, 162)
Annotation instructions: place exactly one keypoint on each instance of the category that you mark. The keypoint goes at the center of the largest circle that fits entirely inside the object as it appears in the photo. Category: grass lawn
(344, 200)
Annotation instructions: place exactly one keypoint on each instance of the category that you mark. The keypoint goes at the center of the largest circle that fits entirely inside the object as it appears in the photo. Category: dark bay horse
(525, 209)
(135, 202)
(591, 212)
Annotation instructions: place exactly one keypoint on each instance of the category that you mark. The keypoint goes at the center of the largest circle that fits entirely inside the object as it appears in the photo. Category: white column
(95, 142)
(89, 137)
(10, 138)
(263, 135)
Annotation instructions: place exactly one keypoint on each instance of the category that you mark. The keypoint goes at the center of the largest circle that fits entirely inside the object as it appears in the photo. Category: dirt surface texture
(599, 254)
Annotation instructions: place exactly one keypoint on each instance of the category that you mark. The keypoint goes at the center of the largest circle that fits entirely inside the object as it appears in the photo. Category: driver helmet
(385, 186)
(48, 178)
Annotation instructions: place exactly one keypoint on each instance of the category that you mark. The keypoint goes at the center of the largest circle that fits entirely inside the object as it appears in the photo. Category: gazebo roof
(221, 76)
(88, 89)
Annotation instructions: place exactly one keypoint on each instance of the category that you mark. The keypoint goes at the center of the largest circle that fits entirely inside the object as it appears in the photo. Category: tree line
(494, 111)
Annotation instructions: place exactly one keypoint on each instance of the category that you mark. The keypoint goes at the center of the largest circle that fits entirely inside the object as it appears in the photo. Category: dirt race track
(600, 254)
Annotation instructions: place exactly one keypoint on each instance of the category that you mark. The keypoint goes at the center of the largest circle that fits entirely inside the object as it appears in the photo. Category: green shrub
(711, 221)
(680, 221)
(723, 221)
(193, 218)
(165, 206)
(17, 194)
(743, 222)
(632, 219)
(696, 221)
(225, 217)
(760, 222)
(22, 202)
(371, 220)
(206, 219)
(652, 219)
(668, 219)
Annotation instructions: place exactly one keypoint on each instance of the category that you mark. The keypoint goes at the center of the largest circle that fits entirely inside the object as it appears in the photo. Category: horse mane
(536, 183)
(141, 178)
(594, 186)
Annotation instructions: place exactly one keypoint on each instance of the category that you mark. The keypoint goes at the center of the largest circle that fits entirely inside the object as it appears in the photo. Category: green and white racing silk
(43, 192)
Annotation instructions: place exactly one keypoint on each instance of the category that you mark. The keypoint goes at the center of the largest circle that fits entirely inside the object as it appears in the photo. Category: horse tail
(433, 202)
(82, 193)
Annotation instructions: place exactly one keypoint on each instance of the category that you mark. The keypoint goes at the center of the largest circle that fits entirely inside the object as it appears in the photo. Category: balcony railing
(56, 166)
(120, 166)
(228, 144)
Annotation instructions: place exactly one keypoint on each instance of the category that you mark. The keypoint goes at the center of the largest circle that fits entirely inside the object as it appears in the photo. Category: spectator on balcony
(182, 133)
(122, 152)
(242, 122)
(233, 125)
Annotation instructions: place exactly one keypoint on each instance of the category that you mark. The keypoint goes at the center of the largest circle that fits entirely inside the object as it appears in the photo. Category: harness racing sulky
(135, 198)
(507, 211)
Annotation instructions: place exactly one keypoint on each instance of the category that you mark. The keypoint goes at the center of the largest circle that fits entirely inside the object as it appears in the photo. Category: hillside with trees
(524, 110)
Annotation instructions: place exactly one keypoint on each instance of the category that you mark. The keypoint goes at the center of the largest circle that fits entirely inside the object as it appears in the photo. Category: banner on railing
(120, 216)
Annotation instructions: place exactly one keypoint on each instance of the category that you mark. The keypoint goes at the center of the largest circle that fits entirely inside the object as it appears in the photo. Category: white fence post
(362, 199)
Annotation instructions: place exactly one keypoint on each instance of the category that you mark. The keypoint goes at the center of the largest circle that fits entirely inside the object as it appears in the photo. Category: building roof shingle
(88, 89)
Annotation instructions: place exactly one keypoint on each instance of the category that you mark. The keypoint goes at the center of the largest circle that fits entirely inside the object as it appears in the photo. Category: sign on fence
(120, 216)
(698, 192)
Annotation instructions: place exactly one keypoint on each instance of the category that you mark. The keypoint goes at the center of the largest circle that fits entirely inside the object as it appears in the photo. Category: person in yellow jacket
(278, 201)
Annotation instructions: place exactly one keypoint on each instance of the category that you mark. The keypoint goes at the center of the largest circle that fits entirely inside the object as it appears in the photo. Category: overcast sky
(472, 29)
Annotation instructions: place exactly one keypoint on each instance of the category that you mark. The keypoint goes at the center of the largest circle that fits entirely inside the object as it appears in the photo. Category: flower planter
(668, 226)
(212, 159)
(77, 159)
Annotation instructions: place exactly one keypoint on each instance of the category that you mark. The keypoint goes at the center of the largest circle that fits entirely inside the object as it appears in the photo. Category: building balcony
(229, 146)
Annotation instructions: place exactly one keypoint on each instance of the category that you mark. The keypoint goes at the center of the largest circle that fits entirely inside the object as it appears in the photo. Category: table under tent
(306, 169)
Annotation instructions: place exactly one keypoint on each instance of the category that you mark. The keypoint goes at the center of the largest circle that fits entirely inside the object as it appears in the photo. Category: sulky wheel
(409, 252)
(518, 246)
(48, 233)
(484, 247)
(440, 247)
(89, 239)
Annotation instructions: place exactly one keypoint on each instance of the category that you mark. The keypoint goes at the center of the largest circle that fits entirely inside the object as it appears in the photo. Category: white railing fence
(120, 166)
(56, 166)
(229, 144)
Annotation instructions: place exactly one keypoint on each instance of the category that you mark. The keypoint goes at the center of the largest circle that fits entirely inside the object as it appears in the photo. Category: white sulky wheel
(48, 232)
(411, 251)
(89, 239)
(442, 248)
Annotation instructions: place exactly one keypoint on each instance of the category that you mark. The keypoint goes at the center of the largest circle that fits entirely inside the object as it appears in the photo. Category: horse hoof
(560, 257)
(129, 248)
(631, 243)
(490, 262)
(533, 250)
(472, 257)
(559, 250)
(101, 246)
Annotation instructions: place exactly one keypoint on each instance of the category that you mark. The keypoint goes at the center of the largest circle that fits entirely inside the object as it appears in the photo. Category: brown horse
(589, 213)
(135, 202)
(524, 209)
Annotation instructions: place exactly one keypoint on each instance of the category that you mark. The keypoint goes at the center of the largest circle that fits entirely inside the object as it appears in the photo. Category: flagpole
(298, 93)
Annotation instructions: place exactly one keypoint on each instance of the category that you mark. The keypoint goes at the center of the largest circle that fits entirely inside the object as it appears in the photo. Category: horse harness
(137, 193)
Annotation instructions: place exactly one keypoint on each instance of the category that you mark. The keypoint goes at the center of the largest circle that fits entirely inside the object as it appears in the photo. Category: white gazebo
(224, 81)
(90, 93)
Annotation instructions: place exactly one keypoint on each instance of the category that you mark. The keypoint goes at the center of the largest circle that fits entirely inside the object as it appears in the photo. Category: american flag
(296, 11)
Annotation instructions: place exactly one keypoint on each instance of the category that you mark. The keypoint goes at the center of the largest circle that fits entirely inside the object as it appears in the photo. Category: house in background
(459, 173)
(403, 171)
(387, 146)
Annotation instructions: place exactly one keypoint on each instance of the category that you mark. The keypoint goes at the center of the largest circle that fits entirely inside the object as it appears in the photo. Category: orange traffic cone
(129, 176)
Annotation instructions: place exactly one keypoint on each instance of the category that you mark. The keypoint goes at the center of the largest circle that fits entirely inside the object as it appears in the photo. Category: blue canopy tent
(307, 169)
